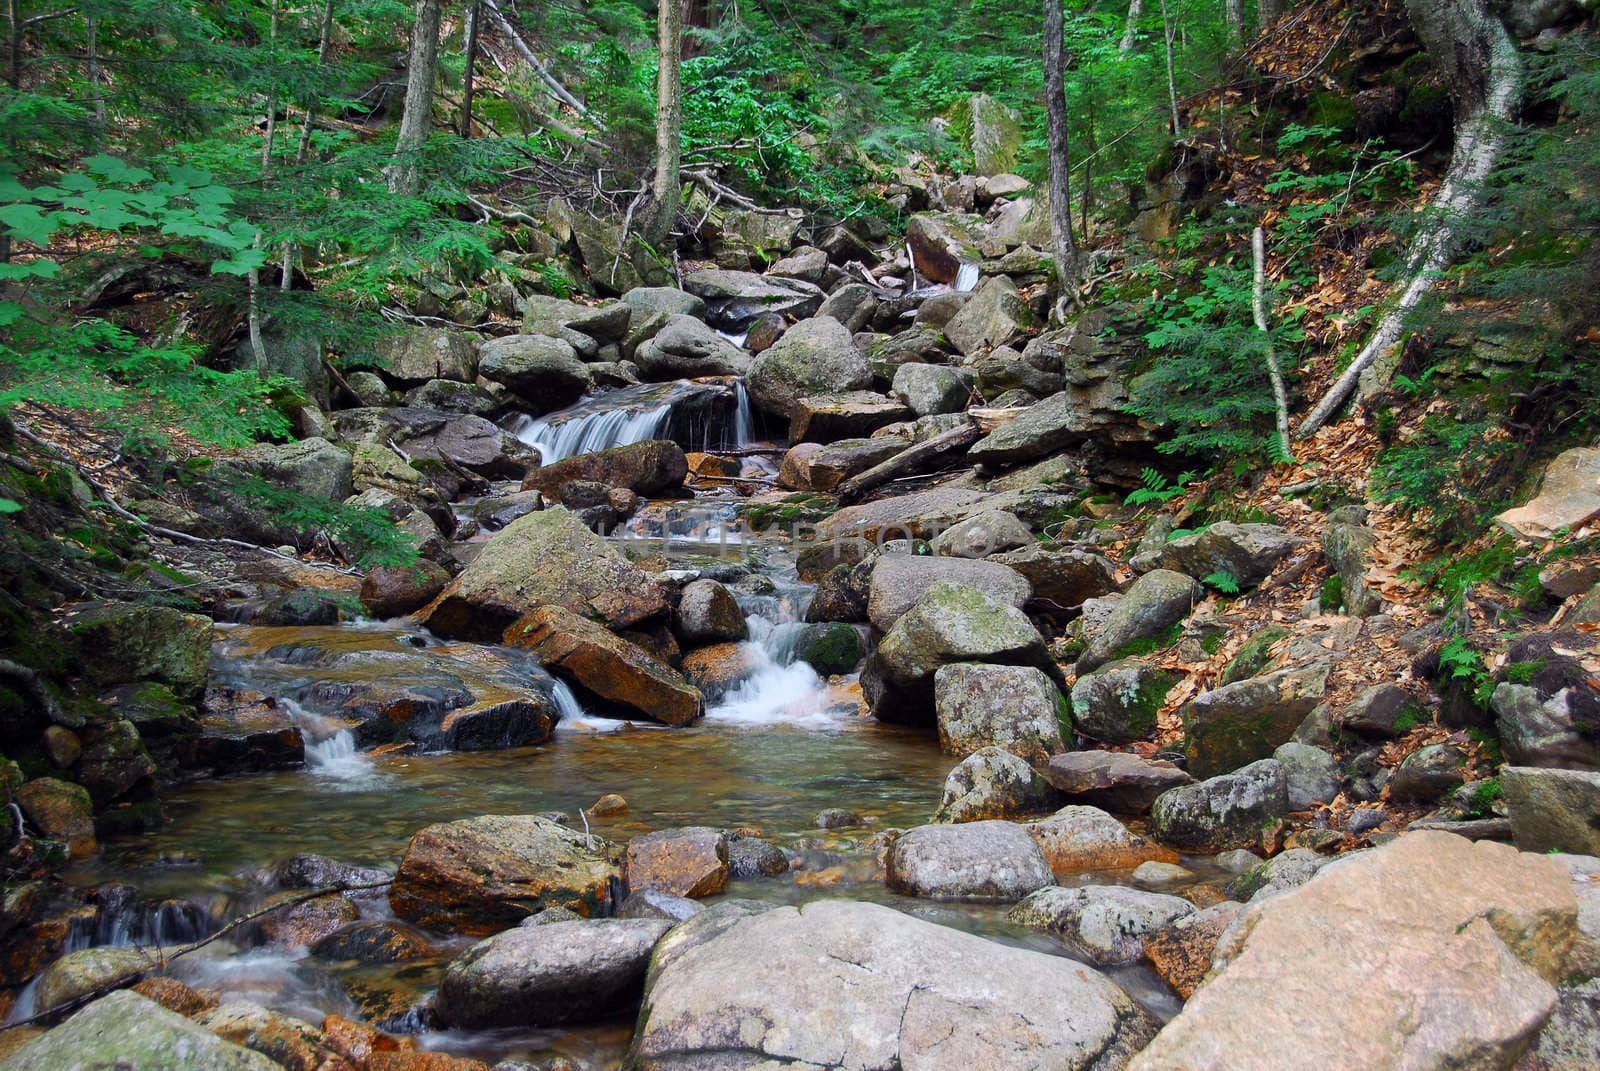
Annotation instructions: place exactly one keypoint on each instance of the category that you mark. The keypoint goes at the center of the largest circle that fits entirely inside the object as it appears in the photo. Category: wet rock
(983, 534)
(1234, 725)
(984, 861)
(544, 372)
(1064, 578)
(1102, 924)
(899, 581)
(1246, 552)
(566, 972)
(814, 356)
(414, 355)
(692, 861)
(1568, 498)
(1553, 810)
(734, 298)
(174, 996)
(483, 874)
(1078, 838)
(1119, 782)
(939, 244)
(125, 642)
(290, 1043)
(995, 313)
(1180, 950)
(827, 647)
(1118, 703)
(655, 904)
(829, 417)
(91, 970)
(708, 613)
(837, 818)
(1389, 959)
(449, 396)
(396, 590)
(114, 762)
(898, 981)
(647, 468)
(605, 666)
(1161, 874)
(303, 924)
(718, 668)
(751, 857)
(950, 623)
(1016, 708)
(546, 315)
(1222, 812)
(376, 941)
(1313, 775)
(1157, 600)
(128, 1031)
(310, 871)
(928, 388)
(685, 347)
(60, 810)
(815, 467)
(1428, 773)
(544, 558)
(993, 783)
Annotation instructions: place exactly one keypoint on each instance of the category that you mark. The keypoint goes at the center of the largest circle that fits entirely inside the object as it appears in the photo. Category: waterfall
(567, 704)
(588, 432)
(331, 750)
(744, 423)
(966, 278)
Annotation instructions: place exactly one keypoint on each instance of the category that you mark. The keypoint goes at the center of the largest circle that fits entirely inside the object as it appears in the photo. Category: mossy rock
(125, 642)
(1253, 657)
(153, 709)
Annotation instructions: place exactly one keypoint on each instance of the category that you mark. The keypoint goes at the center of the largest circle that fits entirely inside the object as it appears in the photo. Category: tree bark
(1135, 9)
(303, 149)
(1234, 12)
(1280, 395)
(550, 81)
(405, 173)
(918, 460)
(257, 347)
(1470, 47)
(14, 68)
(470, 54)
(669, 121)
(1268, 12)
(1063, 246)
(1169, 29)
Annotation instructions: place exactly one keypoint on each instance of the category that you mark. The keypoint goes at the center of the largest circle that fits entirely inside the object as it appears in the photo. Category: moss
(1484, 794)
(1523, 672)
(1211, 643)
(1253, 657)
(1150, 644)
(137, 817)
(1332, 597)
(1412, 716)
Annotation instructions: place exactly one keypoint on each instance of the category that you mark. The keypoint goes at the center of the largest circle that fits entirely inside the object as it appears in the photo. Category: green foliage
(1485, 794)
(1221, 582)
(1463, 666)
(367, 535)
(1413, 715)
(1331, 598)
(1446, 473)
(1156, 489)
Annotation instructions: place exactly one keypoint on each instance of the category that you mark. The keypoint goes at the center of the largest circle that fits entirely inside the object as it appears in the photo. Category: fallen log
(918, 460)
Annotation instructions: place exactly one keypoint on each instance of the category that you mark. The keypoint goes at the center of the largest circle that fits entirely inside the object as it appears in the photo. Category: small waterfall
(586, 433)
(744, 422)
(738, 338)
(966, 278)
(331, 750)
(567, 704)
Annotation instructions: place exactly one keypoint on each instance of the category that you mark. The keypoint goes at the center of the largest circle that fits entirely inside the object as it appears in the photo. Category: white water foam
(781, 690)
(966, 278)
(744, 423)
(590, 432)
(331, 752)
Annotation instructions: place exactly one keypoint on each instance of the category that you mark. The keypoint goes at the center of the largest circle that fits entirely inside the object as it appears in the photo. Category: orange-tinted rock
(692, 861)
(291, 1043)
(718, 668)
(175, 996)
(29, 952)
(1181, 950)
(1076, 839)
(358, 1042)
(606, 666)
(306, 923)
(423, 1061)
(482, 875)
(375, 941)
(395, 590)
(61, 811)
(646, 468)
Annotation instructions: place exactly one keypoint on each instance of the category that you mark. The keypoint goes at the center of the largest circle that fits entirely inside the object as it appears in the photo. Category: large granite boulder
(859, 986)
(900, 580)
(735, 298)
(995, 313)
(1017, 708)
(1119, 782)
(815, 356)
(685, 347)
(831, 416)
(1078, 838)
(1246, 552)
(993, 783)
(1553, 810)
(650, 467)
(1101, 924)
(1063, 578)
(1118, 703)
(412, 356)
(1235, 725)
(481, 875)
(127, 1032)
(1157, 601)
(545, 372)
(985, 861)
(1568, 498)
(1223, 812)
(930, 388)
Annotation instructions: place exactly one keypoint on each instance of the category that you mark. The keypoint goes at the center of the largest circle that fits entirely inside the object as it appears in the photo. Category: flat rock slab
(1568, 498)
(985, 861)
(1118, 781)
(132, 1033)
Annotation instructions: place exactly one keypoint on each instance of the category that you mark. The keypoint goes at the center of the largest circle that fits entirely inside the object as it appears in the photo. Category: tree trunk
(696, 16)
(1268, 12)
(1063, 246)
(550, 81)
(1470, 47)
(14, 68)
(1168, 29)
(1135, 9)
(92, 33)
(1280, 395)
(669, 122)
(257, 347)
(1234, 12)
(405, 174)
(470, 54)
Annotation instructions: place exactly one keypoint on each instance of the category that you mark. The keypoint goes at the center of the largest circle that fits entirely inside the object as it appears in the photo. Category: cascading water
(744, 422)
(331, 751)
(587, 433)
(966, 278)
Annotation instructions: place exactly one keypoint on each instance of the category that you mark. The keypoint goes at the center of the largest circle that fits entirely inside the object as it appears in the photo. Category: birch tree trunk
(1135, 9)
(1233, 10)
(1470, 46)
(257, 347)
(1258, 304)
(1169, 29)
(1063, 247)
(669, 121)
(405, 173)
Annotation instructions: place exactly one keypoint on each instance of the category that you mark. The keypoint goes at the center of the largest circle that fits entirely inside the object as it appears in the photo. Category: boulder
(545, 315)
(734, 298)
(647, 468)
(984, 534)
(1157, 601)
(950, 623)
(1568, 498)
(900, 580)
(303, 924)
(548, 558)
(1016, 708)
(930, 388)
(1347, 544)
(613, 265)
(803, 262)
(708, 613)
(566, 972)
(655, 904)
(993, 783)
(1180, 950)
(814, 467)
(1222, 812)
(922, 515)
(899, 983)
(1570, 1038)
(814, 356)
(1234, 725)
(826, 418)
(719, 668)
(123, 642)
(1313, 775)
(685, 348)
(751, 857)
(647, 301)
(468, 441)
(132, 1033)
(414, 355)
(827, 647)
(1077, 838)
(1119, 782)
(1431, 952)
(448, 396)
(1553, 810)
(984, 861)
(1065, 578)
(59, 810)
(376, 941)
(1101, 924)
(481, 875)
(995, 314)
(1118, 703)
(284, 1039)
(1246, 552)
(994, 134)
(80, 974)
(852, 305)
(692, 861)
(1428, 773)
(1041, 430)
(616, 675)
(1376, 711)
(395, 590)
(544, 372)
(1553, 727)
(939, 243)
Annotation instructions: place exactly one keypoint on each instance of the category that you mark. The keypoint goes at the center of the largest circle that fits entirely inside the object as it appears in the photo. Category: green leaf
(8, 505)
(29, 223)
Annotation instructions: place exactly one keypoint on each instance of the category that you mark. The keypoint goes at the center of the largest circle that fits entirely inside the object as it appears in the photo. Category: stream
(769, 755)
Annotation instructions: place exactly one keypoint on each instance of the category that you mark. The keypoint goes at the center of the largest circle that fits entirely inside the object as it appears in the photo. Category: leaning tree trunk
(669, 122)
(1055, 107)
(405, 174)
(1470, 46)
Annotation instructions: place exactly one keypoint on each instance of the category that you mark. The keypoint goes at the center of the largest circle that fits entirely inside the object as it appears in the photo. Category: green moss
(1523, 672)
(1253, 657)
(1332, 598)
(1211, 643)
(1412, 716)
(1484, 794)
(1150, 644)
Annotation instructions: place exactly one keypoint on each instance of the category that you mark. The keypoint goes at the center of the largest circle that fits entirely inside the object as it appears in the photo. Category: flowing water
(769, 755)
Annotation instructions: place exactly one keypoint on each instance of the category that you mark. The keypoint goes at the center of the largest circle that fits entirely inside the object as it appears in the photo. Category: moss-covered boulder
(123, 642)
(126, 1030)
(1237, 724)
(1118, 703)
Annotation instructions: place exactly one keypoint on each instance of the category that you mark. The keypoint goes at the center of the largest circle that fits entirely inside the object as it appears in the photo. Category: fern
(1222, 582)
(1156, 489)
